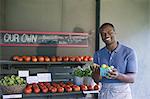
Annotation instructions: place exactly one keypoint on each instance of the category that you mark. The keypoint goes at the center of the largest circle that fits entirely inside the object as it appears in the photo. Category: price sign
(32, 79)
(44, 77)
(23, 73)
(12, 96)
(93, 91)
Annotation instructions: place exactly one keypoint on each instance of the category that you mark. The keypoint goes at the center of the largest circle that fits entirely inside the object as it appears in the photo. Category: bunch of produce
(82, 72)
(104, 69)
(12, 80)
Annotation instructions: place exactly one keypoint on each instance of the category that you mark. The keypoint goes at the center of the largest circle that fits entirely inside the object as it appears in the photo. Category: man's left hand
(113, 74)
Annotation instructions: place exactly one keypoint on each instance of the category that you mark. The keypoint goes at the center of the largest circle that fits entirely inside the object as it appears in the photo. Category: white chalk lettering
(28, 38)
(7, 37)
(16, 37)
(23, 38)
(34, 38)
(11, 37)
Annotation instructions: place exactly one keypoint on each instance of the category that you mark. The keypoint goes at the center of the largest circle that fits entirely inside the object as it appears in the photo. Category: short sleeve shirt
(122, 58)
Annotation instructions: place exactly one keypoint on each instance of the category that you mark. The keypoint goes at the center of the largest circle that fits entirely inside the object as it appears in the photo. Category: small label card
(12, 96)
(23, 73)
(32, 79)
(44, 77)
(92, 91)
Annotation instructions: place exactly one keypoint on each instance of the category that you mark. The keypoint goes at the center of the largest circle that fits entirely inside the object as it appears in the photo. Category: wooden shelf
(52, 94)
(33, 95)
(55, 63)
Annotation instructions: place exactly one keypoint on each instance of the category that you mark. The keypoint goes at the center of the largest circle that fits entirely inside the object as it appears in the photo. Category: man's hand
(96, 73)
(113, 74)
(128, 77)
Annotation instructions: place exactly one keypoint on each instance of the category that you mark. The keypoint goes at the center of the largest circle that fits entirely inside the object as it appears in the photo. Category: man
(125, 66)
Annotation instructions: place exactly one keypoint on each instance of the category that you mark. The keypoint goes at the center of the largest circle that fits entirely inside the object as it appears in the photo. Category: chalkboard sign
(26, 38)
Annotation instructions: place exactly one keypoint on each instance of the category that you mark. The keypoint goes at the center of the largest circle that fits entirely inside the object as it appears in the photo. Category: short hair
(106, 24)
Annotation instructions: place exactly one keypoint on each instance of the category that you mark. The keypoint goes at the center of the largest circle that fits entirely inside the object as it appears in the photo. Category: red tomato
(29, 86)
(61, 82)
(27, 58)
(54, 89)
(50, 88)
(63, 85)
(60, 89)
(78, 59)
(19, 59)
(72, 59)
(40, 58)
(84, 87)
(67, 86)
(90, 58)
(56, 85)
(69, 82)
(59, 59)
(34, 59)
(47, 59)
(24, 57)
(81, 57)
(68, 89)
(85, 59)
(36, 90)
(90, 87)
(53, 59)
(96, 87)
(86, 56)
(76, 88)
(27, 90)
(45, 90)
(15, 58)
(47, 84)
(41, 83)
(65, 59)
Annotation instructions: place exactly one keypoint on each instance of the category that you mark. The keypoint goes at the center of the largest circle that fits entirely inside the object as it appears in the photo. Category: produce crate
(12, 89)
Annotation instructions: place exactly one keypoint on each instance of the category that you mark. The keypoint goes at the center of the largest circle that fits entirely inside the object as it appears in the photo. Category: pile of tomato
(58, 87)
(52, 58)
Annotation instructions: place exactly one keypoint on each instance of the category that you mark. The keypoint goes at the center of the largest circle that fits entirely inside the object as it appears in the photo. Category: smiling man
(124, 61)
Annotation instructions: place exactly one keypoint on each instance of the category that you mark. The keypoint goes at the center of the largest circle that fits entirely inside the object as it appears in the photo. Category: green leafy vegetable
(80, 72)
(88, 72)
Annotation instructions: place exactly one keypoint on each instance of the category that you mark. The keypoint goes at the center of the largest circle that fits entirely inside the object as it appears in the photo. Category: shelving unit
(48, 63)
(61, 71)
(64, 95)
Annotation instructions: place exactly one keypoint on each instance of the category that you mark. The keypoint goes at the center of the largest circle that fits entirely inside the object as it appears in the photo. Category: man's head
(107, 32)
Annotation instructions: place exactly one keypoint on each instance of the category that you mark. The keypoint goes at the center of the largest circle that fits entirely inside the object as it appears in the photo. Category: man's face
(108, 35)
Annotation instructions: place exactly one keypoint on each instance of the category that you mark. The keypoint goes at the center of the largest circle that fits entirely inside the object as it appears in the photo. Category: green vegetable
(80, 72)
(88, 72)
(12, 80)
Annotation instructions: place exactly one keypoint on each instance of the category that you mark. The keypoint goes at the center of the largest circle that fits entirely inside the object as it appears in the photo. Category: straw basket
(12, 89)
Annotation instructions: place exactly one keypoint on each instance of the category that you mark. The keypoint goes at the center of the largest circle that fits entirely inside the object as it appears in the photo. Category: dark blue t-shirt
(122, 58)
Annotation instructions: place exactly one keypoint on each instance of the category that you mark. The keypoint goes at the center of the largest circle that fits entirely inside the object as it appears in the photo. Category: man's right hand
(96, 73)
